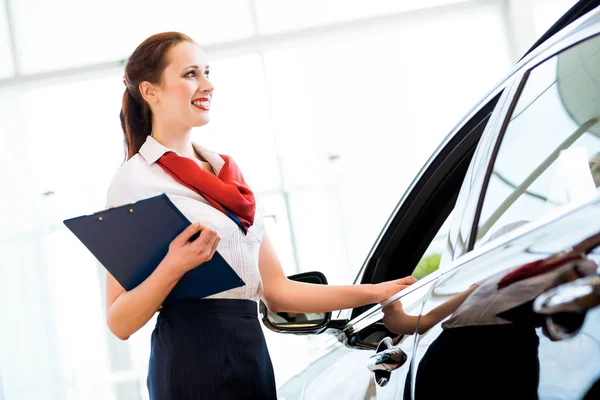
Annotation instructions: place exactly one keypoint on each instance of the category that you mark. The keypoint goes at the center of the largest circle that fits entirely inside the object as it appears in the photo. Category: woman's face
(185, 95)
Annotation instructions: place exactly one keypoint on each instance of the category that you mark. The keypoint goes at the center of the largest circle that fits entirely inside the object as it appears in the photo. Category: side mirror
(298, 323)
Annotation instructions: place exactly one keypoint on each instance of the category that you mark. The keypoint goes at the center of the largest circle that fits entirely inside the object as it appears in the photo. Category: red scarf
(227, 192)
(535, 268)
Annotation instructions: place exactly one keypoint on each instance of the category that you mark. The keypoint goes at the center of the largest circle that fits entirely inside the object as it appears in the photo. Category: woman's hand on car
(386, 290)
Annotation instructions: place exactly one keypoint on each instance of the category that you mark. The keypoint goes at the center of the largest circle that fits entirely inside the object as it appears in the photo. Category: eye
(207, 73)
(190, 74)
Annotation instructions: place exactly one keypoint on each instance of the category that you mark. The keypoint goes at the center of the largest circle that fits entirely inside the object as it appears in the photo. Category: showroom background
(330, 107)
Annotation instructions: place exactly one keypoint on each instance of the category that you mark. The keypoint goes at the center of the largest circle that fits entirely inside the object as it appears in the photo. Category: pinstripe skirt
(210, 349)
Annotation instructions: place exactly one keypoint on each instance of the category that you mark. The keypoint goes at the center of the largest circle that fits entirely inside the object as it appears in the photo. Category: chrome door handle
(386, 359)
(577, 296)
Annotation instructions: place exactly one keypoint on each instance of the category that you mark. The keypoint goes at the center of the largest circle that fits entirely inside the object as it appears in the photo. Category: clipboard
(131, 240)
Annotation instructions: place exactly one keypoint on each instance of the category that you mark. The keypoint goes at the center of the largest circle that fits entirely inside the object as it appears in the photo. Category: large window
(276, 16)
(550, 153)
(71, 33)
(6, 61)
(546, 12)
(354, 124)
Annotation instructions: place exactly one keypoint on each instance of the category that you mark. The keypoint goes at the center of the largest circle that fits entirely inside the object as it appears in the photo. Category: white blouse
(140, 178)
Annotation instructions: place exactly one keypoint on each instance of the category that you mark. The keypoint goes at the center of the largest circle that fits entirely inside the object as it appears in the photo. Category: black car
(511, 193)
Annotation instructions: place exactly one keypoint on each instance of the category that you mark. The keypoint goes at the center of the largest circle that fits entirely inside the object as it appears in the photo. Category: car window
(549, 156)
(430, 261)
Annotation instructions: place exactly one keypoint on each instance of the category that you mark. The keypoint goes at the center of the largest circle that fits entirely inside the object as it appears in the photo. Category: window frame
(472, 189)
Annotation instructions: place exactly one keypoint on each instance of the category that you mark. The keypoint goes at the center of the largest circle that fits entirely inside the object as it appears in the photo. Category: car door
(517, 327)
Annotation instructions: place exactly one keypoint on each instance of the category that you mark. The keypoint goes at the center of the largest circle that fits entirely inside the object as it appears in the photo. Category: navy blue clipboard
(131, 240)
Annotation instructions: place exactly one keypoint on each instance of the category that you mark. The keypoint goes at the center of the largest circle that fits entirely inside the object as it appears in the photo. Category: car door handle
(577, 296)
(386, 359)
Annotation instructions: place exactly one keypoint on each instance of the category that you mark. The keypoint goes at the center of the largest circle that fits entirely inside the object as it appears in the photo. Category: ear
(148, 92)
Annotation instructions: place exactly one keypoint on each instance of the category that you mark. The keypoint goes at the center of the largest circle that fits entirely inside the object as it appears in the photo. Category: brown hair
(147, 63)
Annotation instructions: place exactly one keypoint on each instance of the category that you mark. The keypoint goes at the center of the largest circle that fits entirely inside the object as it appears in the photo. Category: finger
(206, 237)
(211, 245)
(209, 249)
(187, 233)
(391, 307)
(215, 243)
(409, 280)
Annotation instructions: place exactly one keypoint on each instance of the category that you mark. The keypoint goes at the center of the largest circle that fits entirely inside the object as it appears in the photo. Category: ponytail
(136, 122)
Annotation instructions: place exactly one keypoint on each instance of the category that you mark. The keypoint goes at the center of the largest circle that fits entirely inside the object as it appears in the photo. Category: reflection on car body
(491, 337)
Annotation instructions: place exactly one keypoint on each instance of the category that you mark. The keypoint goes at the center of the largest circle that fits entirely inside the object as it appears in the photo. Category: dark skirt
(210, 349)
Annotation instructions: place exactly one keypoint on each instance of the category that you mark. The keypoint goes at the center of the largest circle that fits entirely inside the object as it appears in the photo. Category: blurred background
(330, 107)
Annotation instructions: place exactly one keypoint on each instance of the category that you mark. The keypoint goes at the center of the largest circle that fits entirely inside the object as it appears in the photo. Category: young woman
(210, 348)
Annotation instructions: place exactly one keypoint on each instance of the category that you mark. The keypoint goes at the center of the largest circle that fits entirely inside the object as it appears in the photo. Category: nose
(206, 86)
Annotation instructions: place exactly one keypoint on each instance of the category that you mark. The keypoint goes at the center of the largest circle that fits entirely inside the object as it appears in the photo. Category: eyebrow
(197, 67)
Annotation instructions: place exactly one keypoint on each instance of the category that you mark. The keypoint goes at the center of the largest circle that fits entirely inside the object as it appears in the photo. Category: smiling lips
(202, 103)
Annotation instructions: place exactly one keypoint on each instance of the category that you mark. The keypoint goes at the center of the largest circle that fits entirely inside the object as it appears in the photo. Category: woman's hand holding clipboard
(193, 247)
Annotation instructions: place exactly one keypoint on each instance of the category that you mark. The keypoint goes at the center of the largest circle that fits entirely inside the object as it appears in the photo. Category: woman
(210, 348)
